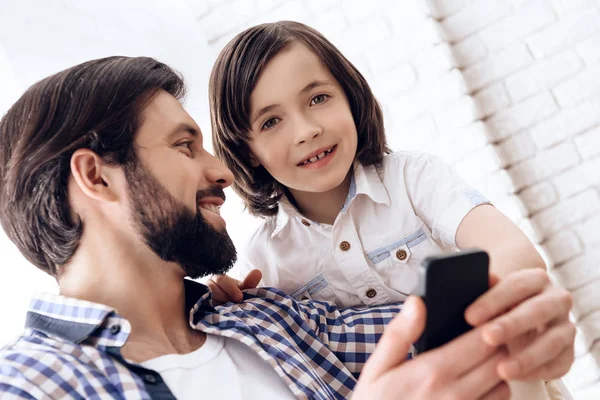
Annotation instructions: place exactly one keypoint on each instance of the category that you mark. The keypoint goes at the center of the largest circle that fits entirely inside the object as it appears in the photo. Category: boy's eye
(320, 98)
(271, 122)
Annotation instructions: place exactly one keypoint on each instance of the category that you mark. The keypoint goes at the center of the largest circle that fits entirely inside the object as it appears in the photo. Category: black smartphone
(448, 285)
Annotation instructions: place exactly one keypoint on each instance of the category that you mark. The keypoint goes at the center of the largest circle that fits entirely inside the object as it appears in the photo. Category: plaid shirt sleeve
(14, 385)
(351, 333)
(30, 374)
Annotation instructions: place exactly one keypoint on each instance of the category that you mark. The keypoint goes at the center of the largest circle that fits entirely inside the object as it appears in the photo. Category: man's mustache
(214, 191)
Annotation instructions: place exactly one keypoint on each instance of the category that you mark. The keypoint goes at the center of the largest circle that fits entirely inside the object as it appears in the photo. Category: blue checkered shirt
(72, 348)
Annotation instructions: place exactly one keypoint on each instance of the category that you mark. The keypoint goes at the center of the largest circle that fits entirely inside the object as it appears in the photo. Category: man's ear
(93, 176)
(254, 161)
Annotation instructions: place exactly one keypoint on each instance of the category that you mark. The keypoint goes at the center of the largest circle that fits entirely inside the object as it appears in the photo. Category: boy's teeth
(317, 157)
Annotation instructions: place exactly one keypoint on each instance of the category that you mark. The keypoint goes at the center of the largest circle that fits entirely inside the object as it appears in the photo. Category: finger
(509, 292)
(555, 369)
(395, 342)
(218, 295)
(494, 279)
(252, 279)
(544, 350)
(451, 356)
(529, 315)
(482, 379)
(500, 392)
(230, 286)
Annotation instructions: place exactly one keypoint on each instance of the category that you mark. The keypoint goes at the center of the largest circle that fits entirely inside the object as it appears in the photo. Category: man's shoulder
(32, 351)
(43, 367)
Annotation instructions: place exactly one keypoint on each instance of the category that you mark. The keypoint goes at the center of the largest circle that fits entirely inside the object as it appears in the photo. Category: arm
(510, 250)
(458, 216)
(531, 300)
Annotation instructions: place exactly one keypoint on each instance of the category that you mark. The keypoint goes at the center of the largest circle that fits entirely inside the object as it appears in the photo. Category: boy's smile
(302, 129)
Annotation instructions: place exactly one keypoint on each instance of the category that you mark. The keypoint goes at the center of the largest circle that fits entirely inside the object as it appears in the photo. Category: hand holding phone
(448, 285)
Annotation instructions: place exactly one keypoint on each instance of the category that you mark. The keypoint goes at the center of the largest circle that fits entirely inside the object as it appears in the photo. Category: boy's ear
(254, 161)
(93, 176)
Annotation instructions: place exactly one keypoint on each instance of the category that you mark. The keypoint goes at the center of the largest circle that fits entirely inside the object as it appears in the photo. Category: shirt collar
(285, 212)
(369, 182)
(364, 180)
(81, 321)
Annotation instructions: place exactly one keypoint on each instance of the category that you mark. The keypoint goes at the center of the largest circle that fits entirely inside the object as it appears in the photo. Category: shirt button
(115, 329)
(345, 246)
(305, 222)
(149, 378)
(371, 293)
(401, 254)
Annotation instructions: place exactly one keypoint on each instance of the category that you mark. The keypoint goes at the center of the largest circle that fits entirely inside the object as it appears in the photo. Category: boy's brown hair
(232, 81)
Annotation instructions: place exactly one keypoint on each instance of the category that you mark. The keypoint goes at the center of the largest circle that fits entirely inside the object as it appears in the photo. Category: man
(106, 186)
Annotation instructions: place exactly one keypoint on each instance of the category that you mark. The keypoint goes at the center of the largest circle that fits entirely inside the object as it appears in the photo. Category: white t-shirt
(394, 217)
(222, 368)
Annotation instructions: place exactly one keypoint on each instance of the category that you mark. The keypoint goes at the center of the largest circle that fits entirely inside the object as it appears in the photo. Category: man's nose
(217, 173)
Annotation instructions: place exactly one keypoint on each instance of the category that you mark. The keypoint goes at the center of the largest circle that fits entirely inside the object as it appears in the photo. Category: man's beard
(173, 231)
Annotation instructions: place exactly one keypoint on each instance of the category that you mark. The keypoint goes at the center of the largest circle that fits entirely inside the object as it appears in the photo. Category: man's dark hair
(94, 105)
(234, 77)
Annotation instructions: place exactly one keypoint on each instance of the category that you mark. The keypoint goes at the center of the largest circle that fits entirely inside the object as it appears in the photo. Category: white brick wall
(474, 17)
(542, 74)
(546, 55)
(522, 115)
(588, 143)
(568, 123)
(497, 67)
(570, 29)
(490, 84)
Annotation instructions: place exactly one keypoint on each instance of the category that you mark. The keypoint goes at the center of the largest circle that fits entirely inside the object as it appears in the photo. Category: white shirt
(222, 368)
(393, 218)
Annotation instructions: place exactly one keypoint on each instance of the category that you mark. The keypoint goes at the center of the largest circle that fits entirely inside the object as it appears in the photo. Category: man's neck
(145, 290)
(322, 207)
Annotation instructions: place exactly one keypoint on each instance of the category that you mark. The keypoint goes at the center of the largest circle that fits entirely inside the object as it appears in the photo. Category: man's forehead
(163, 117)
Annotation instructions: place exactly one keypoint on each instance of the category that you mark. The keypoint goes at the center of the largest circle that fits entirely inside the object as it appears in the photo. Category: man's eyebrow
(183, 127)
(306, 88)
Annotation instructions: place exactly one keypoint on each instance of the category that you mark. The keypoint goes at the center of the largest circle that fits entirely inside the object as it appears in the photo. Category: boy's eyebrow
(306, 88)
(313, 85)
(263, 110)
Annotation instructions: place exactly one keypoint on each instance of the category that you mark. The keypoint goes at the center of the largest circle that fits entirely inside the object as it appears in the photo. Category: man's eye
(271, 122)
(320, 98)
(187, 145)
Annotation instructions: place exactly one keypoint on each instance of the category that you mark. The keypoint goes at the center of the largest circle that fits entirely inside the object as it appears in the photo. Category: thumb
(494, 279)
(251, 280)
(395, 343)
